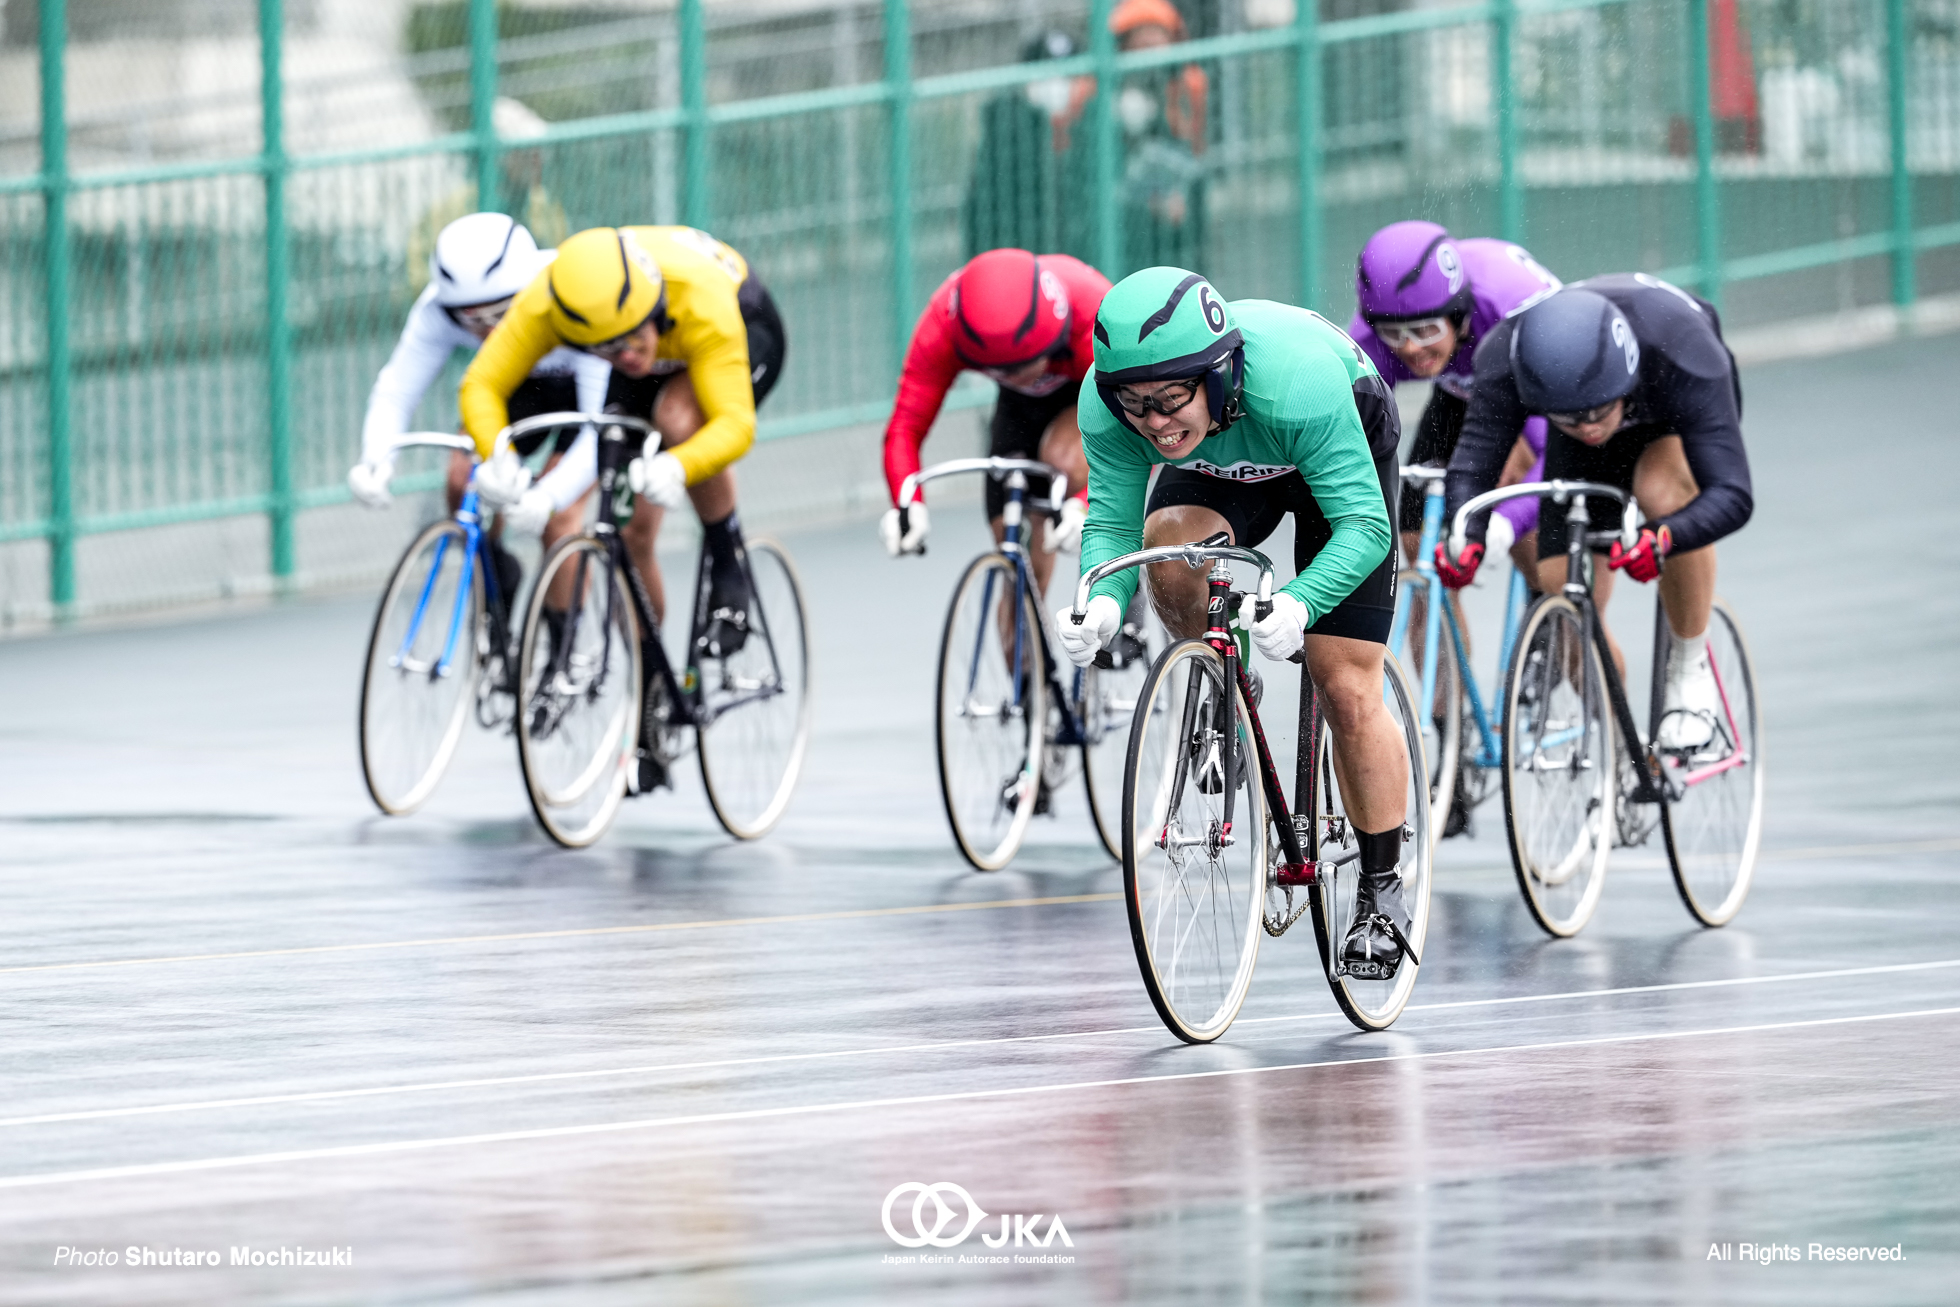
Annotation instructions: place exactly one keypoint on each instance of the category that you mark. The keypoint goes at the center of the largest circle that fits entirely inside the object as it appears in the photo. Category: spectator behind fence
(525, 197)
(1031, 184)
(1162, 111)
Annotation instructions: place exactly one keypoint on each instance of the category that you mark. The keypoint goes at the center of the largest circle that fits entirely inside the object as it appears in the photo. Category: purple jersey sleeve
(1504, 278)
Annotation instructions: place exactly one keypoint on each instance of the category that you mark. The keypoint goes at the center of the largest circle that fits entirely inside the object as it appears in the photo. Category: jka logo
(945, 1227)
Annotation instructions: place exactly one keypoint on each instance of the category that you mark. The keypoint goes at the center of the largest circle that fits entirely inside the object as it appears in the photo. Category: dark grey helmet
(1573, 351)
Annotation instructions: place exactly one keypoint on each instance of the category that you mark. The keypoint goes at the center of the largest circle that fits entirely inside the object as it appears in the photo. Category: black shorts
(1254, 510)
(1016, 430)
(1570, 460)
(768, 344)
(535, 395)
(1436, 432)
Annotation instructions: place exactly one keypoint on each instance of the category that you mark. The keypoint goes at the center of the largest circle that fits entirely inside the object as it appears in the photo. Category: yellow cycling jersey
(704, 332)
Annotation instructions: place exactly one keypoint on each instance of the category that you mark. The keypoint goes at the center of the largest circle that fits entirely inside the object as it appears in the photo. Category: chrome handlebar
(1194, 555)
(1560, 491)
(512, 433)
(908, 490)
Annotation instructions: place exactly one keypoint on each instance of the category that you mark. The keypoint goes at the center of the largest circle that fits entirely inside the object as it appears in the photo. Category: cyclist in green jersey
(1254, 410)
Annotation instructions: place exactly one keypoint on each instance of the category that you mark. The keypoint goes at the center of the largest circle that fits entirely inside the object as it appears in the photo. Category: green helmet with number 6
(1169, 324)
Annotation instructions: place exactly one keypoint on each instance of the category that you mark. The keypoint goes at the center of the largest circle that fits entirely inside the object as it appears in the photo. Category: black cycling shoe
(510, 572)
(1458, 822)
(1379, 937)
(728, 616)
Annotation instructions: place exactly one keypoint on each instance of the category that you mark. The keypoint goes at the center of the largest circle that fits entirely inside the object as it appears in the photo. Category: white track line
(550, 1077)
(810, 1109)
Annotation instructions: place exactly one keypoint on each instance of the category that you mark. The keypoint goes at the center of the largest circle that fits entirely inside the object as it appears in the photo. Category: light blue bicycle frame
(1488, 752)
(470, 520)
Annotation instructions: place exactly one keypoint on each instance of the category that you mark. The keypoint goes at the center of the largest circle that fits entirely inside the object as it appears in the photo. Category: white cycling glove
(911, 538)
(660, 478)
(531, 511)
(369, 482)
(503, 480)
(1284, 631)
(1067, 533)
(1100, 623)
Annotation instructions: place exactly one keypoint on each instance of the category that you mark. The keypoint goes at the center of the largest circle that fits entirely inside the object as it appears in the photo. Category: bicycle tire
(1442, 738)
(756, 703)
(1712, 839)
(1558, 741)
(989, 738)
(1369, 1004)
(1108, 704)
(390, 705)
(576, 778)
(1195, 921)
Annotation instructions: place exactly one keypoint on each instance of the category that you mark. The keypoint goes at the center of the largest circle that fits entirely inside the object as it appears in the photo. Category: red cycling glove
(1463, 570)
(1643, 561)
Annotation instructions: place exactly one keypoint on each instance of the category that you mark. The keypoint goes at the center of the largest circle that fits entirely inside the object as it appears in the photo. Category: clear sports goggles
(1584, 417)
(1166, 401)
(480, 317)
(1421, 331)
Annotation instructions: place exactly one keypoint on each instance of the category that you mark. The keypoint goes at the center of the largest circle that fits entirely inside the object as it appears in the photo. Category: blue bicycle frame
(476, 555)
(1489, 752)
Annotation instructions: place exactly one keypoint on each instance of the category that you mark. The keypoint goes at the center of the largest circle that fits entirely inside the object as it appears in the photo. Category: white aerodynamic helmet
(482, 258)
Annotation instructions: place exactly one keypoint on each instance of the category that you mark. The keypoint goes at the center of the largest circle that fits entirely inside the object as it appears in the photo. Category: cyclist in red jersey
(1024, 320)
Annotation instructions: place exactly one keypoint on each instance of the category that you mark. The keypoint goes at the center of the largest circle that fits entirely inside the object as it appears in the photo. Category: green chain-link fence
(194, 338)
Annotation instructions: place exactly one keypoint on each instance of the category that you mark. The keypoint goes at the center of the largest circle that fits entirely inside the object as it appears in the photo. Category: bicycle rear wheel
(1559, 774)
(413, 711)
(991, 712)
(756, 704)
(1369, 1004)
(1194, 888)
(1442, 724)
(580, 677)
(1108, 704)
(1714, 828)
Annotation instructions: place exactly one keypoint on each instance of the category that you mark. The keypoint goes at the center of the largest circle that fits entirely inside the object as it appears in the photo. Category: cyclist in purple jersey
(1425, 301)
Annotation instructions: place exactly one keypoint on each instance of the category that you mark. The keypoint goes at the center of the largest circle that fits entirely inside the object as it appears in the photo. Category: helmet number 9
(1214, 311)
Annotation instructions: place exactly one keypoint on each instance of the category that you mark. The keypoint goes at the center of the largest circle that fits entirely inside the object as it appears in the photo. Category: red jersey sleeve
(931, 367)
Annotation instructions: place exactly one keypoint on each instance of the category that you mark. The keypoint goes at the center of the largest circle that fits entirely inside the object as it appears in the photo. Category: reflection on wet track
(241, 1012)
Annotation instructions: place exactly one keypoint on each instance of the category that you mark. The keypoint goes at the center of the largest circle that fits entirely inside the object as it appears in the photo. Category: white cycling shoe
(1690, 705)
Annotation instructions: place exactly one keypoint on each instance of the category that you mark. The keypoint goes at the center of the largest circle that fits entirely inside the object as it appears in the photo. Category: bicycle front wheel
(1194, 885)
(1108, 704)
(422, 663)
(580, 679)
(755, 704)
(992, 711)
(1714, 828)
(1442, 724)
(1370, 1004)
(1559, 776)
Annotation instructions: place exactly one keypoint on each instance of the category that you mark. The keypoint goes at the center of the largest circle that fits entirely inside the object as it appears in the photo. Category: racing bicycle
(603, 712)
(1566, 792)
(1212, 856)
(1006, 729)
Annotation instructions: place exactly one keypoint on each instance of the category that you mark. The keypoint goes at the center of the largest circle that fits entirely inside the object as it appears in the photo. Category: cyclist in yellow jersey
(695, 344)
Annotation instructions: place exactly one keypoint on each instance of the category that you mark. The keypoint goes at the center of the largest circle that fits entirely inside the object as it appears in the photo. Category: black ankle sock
(1381, 852)
(723, 541)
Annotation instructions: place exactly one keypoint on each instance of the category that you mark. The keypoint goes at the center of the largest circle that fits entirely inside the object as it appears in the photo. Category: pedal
(651, 774)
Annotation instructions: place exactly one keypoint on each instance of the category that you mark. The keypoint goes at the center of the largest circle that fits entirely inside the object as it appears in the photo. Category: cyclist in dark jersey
(1641, 393)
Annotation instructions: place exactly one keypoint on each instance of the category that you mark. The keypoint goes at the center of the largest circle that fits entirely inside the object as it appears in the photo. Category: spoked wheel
(756, 703)
(991, 712)
(1370, 1004)
(1715, 825)
(1559, 774)
(1442, 725)
(422, 665)
(580, 677)
(1108, 699)
(1194, 886)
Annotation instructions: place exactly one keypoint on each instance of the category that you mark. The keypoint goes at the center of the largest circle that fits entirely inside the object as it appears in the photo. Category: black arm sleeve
(1706, 414)
(1490, 428)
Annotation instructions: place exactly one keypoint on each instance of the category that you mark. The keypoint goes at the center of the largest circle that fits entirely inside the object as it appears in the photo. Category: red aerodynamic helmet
(1008, 310)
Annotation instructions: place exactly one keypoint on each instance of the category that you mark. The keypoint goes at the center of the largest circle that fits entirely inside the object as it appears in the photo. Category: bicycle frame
(476, 551)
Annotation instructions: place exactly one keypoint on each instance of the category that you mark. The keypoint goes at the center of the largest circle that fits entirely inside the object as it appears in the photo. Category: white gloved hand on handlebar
(1066, 533)
(660, 478)
(904, 530)
(1100, 623)
(531, 511)
(1284, 631)
(503, 480)
(369, 482)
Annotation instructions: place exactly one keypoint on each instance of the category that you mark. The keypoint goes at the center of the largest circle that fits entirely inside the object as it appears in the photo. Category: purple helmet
(1411, 270)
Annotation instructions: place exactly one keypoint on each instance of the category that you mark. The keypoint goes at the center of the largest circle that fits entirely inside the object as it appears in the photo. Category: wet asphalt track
(239, 1010)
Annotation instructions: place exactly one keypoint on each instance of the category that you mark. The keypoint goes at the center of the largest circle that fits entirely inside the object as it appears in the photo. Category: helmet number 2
(1214, 311)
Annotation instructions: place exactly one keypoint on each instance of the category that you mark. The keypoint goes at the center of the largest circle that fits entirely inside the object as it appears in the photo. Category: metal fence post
(1510, 195)
(1306, 77)
(898, 81)
(483, 102)
(1898, 43)
(1109, 213)
(695, 199)
(1708, 203)
(278, 273)
(54, 199)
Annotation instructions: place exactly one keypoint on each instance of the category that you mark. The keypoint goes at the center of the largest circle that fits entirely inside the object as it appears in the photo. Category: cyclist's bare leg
(1370, 760)
(1178, 591)
(1524, 553)
(1663, 483)
(677, 416)
(457, 479)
